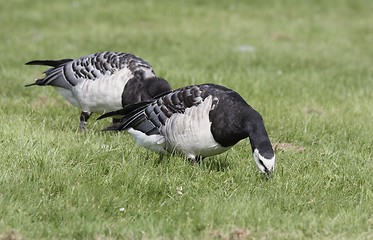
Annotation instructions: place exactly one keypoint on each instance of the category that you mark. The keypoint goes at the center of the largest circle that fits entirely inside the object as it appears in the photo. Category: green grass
(305, 65)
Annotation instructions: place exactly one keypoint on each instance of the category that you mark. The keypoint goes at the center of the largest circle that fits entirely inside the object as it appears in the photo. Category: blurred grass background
(306, 66)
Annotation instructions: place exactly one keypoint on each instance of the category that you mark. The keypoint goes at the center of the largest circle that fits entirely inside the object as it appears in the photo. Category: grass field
(306, 66)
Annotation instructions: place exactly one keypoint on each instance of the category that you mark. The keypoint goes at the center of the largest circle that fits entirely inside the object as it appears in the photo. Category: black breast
(229, 116)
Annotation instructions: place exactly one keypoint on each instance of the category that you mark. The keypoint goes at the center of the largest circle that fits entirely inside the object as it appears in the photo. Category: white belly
(152, 142)
(104, 94)
(190, 133)
(68, 95)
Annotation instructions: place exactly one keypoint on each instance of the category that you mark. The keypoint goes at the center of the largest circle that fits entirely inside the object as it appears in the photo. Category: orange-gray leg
(84, 116)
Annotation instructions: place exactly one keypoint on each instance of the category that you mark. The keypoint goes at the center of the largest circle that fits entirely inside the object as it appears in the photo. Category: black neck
(259, 138)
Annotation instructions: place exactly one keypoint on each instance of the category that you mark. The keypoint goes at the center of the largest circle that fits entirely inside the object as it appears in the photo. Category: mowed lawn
(306, 66)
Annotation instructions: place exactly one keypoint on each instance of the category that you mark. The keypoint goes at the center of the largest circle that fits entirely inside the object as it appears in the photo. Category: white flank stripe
(190, 133)
(152, 142)
(104, 93)
(68, 95)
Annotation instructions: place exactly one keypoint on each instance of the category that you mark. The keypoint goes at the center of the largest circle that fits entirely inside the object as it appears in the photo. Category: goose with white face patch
(102, 82)
(197, 121)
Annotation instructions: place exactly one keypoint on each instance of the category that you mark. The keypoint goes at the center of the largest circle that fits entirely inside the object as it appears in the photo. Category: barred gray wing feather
(106, 63)
(149, 118)
(67, 73)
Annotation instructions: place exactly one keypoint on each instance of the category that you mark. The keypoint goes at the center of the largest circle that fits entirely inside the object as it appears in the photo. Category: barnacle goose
(102, 82)
(197, 121)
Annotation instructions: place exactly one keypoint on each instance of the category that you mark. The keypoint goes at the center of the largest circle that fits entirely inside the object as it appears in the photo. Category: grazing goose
(197, 121)
(102, 82)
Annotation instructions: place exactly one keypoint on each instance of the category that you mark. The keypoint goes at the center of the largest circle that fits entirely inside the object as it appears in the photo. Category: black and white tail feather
(101, 82)
(197, 121)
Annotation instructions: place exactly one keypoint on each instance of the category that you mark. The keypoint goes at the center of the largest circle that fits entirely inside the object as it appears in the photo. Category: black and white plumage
(197, 121)
(102, 82)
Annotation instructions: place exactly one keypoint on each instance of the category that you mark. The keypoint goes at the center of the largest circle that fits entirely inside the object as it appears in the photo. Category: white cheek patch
(148, 73)
(263, 163)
